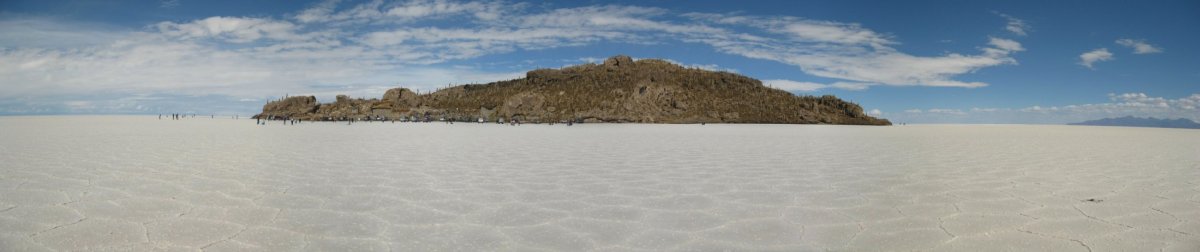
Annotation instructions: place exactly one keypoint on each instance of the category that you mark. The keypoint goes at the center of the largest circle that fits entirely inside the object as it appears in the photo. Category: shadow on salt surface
(141, 184)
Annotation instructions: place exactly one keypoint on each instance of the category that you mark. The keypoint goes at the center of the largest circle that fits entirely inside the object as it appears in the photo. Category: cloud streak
(849, 52)
(804, 86)
(1089, 58)
(1118, 105)
(355, 48)
(1139, 46)
(1016, 26)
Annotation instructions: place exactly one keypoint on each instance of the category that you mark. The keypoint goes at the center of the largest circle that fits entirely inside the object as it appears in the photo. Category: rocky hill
(619, 90)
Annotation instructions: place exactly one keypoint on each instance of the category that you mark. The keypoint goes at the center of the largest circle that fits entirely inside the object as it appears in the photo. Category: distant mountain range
(1131, 121)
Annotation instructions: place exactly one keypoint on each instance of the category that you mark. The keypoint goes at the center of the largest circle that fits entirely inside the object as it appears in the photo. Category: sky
(1042, 62)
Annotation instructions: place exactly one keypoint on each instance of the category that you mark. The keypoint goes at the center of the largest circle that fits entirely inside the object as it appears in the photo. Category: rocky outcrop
(618, 90)
(295, 106)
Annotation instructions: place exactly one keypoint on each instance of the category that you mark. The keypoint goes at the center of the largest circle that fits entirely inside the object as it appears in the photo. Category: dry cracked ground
(137, 183)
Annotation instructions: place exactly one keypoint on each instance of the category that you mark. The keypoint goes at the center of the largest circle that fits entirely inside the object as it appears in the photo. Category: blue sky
(916, 62)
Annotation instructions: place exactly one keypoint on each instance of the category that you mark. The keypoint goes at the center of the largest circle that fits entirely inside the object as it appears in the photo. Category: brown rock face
(295, 106)
(619, 90)
(619, 61)
(401, 97)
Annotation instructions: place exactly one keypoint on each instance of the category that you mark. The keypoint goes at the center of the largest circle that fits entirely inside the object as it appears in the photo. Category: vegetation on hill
(619, 90)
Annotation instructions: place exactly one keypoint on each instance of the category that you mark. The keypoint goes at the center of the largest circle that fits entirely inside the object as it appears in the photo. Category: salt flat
(138, 183)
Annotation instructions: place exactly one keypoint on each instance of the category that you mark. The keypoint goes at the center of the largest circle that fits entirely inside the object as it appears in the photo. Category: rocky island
(618, 90)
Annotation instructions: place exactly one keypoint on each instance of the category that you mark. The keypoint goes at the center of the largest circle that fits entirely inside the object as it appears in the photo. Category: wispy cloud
(804, 86)
(1015, 25)
(1118, 105)
(1005, 45)
(1139, 46)
(709, 67)
(380, 12)
(50, 33)
(377, 44)
(800, 86)
(1091, 57)
(169, 3)
(232, 29)
(847, 51)
(946, 111)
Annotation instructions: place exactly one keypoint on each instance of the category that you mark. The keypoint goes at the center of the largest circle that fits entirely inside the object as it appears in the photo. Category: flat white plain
(139, 183)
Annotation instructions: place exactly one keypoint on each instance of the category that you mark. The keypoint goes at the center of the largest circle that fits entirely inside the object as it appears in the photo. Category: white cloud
(851, 85)
(831, 32)
(1135, 104)
(595, 60)
(79, 105)
(233, 29)
(486, 40)
(875, 112)
(150, 64)
(318, 13)
(709, 67)
(1088, 58)
(849, 52)
(794, 85)
(50, 33)
(168, 4)
(378, 11)
(945, 111)
(1139, 46)
(1119, 105)
(1006, 44)
(803, 86)
(1015, 25)
(330, 48)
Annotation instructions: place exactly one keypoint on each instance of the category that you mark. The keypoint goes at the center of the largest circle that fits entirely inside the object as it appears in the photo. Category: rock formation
(619, 90)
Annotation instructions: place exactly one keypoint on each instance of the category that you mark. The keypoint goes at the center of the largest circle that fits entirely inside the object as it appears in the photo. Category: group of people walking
(176, 116)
